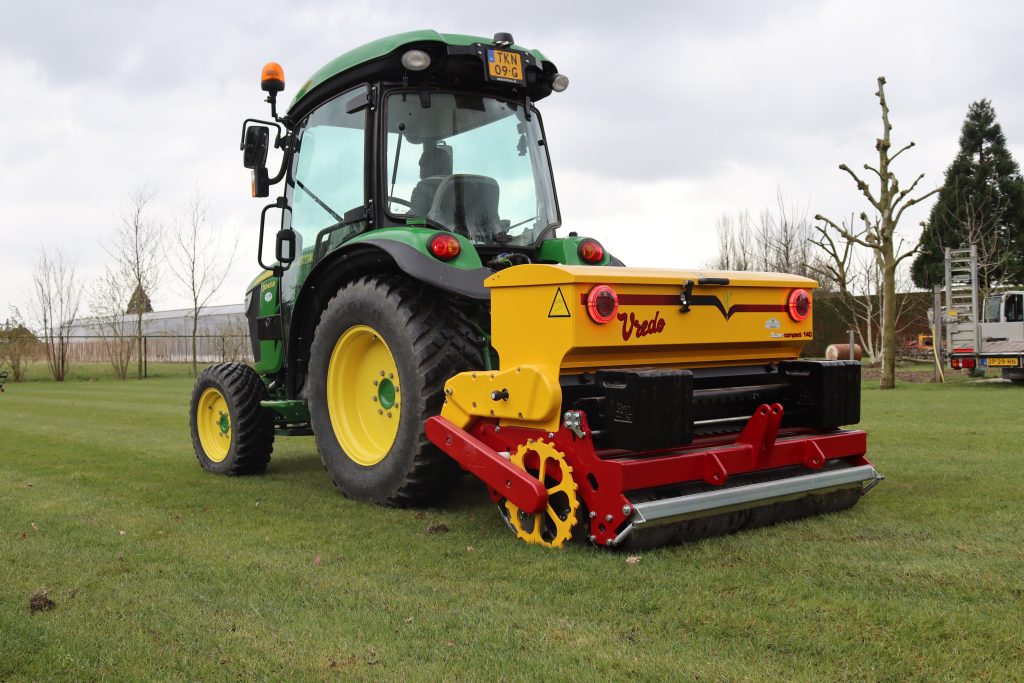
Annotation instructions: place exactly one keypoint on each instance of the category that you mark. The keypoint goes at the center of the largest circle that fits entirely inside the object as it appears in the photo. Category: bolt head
(607, 518)
(593, 539)
(593, 514)
(626, 509)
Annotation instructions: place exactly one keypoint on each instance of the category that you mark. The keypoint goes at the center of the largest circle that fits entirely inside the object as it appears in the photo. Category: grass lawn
(160, 571)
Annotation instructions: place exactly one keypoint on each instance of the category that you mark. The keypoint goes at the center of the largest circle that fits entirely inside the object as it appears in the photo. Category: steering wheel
(399, 200)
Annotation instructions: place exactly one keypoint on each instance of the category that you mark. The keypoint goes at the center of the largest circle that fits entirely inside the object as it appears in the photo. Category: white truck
(985, 333)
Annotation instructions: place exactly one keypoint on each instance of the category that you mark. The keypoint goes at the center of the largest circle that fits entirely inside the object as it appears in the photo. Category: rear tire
(231, 432)
(369, 420)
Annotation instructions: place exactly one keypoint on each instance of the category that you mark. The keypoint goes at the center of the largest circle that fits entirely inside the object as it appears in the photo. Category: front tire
(231, 432)
(381, 354)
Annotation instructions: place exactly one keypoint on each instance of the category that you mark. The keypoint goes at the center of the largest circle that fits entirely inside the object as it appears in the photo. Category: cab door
(327, 184)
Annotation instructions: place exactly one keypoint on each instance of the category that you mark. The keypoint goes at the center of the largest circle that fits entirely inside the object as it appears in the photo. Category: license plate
(1003, 362)
(503, 65)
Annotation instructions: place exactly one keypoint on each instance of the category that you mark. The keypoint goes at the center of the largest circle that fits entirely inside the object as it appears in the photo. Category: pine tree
(981, 202)
(139, 303)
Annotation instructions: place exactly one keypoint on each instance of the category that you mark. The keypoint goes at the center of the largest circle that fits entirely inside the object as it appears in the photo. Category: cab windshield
(469, 164)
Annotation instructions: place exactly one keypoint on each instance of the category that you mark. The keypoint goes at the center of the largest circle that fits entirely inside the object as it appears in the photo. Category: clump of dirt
(439, 528)
(40, 601)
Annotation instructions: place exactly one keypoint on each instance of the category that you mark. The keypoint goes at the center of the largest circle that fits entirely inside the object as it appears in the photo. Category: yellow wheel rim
(213, 422)
(363, 395)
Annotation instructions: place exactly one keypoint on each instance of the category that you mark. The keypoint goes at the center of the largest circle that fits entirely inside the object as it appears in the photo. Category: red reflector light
(968, 363)
(799, 305)
(444, 246)
(591, 251)
(602, 304)
(954, 363)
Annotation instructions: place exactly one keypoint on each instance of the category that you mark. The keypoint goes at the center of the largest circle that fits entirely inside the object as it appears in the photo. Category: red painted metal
(605, 477)
(487, 465)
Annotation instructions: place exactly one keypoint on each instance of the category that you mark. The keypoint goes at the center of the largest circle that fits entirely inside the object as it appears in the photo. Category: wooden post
(937, 331)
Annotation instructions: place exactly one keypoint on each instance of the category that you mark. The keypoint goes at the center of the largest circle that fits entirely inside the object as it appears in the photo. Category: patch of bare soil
(40, 601)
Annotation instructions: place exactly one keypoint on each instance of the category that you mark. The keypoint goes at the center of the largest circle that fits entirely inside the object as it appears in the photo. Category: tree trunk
(195, 326)
(888, 380)
(138, 339)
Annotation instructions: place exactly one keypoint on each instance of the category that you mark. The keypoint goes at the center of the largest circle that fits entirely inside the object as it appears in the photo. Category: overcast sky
(677, 112)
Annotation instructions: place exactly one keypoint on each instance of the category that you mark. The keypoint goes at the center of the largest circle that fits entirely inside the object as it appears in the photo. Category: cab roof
(387, 45)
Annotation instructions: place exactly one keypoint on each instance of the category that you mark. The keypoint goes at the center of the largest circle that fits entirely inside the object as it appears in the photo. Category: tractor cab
(434, 134)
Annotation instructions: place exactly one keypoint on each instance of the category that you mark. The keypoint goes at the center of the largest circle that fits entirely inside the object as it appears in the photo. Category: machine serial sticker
(559, 309)
(772, 324)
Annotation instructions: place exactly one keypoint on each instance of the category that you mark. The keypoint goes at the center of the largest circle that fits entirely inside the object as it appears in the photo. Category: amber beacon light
(272, 78)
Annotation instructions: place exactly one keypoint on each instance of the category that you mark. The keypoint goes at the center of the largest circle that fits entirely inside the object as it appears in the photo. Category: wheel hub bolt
(607, 518)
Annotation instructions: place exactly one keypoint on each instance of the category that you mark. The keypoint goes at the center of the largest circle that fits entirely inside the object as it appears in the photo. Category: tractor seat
(467, 204)
(423, 195)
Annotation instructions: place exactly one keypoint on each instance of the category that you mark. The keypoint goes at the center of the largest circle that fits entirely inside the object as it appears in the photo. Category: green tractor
(413, 168)
(421, 317)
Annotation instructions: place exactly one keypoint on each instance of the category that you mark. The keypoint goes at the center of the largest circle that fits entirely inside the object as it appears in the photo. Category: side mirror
(284, 251)
(255, 146)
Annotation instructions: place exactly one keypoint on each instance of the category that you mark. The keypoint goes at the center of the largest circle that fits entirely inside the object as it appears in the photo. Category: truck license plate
(503, 65)
(1003, 362)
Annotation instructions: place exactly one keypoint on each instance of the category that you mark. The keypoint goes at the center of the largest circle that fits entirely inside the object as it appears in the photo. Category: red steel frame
(604, 477)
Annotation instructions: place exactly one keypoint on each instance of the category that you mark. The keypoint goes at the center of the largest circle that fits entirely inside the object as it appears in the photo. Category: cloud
(676, 112)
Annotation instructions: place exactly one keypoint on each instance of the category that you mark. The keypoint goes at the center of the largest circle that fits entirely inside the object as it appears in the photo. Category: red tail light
(602, 304)
(969, 363)
(444, 246)
(954, 363)
(591, 251)
(799, 305)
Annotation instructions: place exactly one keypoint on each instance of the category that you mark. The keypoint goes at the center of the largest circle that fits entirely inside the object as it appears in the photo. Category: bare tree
(853, 279)
(879, 231)
(198, 263)
(981, 215)
(56, 297)
(777, 241)
(234, 341)
(110, 301)
(17, 344)
(136, 247)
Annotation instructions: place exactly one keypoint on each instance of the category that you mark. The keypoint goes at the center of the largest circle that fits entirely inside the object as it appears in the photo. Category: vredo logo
(640, 328)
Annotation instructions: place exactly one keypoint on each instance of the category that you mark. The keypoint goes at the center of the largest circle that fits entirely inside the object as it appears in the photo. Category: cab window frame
(341, 99)
(381, 140)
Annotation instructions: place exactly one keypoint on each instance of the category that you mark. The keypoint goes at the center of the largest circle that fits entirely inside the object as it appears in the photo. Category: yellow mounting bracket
(524, 395)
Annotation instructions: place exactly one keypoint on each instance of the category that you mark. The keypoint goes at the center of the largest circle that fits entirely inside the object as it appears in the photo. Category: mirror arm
(286, 159)
(276, 269)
